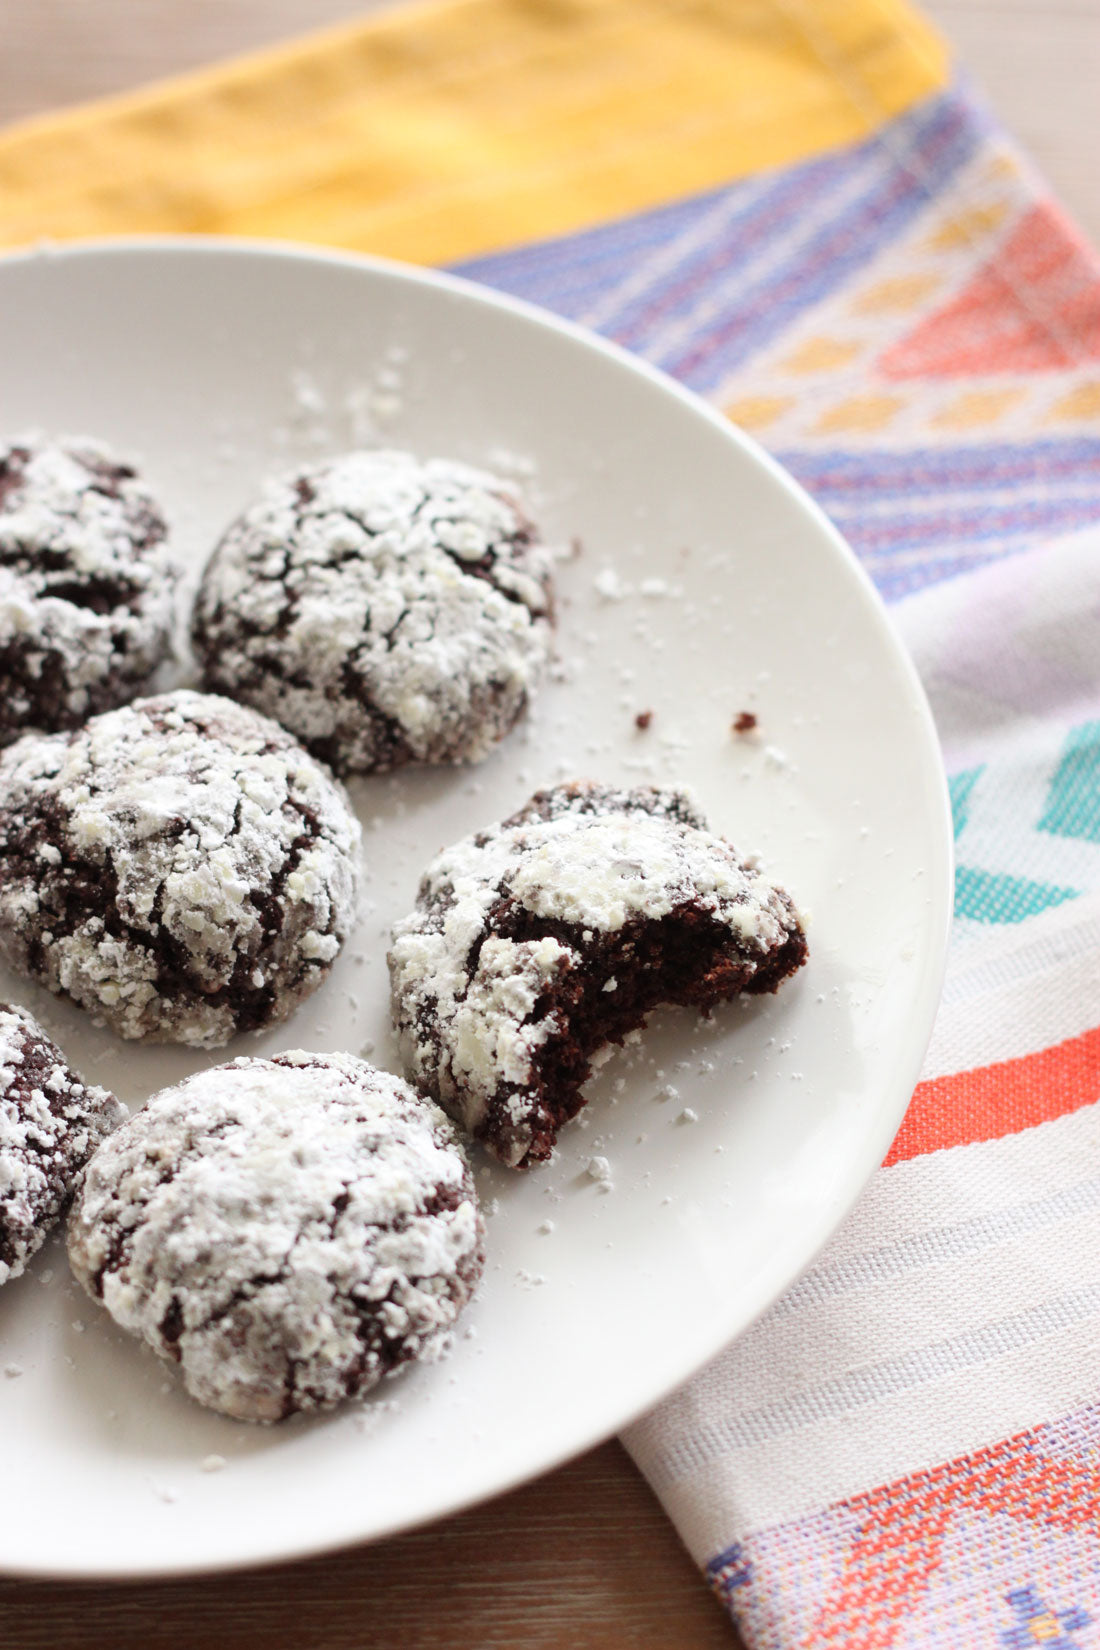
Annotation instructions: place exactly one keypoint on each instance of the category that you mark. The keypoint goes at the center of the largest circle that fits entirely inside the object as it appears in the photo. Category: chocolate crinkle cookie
(540, 940)
(50, 1124)
(181, 867)
(86, 584)
(386, 610)
(288, 1231)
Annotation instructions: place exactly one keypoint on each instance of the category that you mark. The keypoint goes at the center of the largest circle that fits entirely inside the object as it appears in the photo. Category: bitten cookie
(50, 1124)
(86, 584)
(386, 610)
(287, 1230)
(539, 940)
(180, 867)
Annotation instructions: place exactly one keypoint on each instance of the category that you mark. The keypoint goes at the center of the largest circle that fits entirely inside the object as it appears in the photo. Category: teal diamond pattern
(1073, 801)
(959, 787)
(990, 896)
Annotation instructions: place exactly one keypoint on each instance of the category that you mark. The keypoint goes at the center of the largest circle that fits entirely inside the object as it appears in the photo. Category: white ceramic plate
(216, 363)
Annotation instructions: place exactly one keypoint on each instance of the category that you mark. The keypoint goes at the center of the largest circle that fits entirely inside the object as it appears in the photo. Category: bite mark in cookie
(288, 1231)
(180, 867)
(384, 609)
(538, 941)
(50, 1124)
(86, 584)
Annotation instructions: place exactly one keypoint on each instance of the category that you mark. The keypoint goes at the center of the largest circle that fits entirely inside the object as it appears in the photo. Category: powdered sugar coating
(180, 867)
(50, 1124)
(386, 610)
(539, 940)
(288, 1230)
(86, 583)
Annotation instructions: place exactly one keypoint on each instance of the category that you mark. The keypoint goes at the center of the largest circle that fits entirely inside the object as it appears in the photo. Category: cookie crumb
(13, 1371)
(212, 1463)
(744, 722)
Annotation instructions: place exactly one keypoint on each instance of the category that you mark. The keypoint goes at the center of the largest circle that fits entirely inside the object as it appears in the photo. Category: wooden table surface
(583, 1559)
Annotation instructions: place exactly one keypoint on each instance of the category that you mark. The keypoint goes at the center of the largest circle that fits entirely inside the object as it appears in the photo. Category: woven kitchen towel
(792, 207)
(906, 1449)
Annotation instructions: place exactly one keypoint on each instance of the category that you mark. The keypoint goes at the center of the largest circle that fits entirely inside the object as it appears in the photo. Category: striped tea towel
(794, 208)
(906, 1449)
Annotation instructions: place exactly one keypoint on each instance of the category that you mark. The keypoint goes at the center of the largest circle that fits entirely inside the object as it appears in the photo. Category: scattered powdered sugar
(386, 610)
(521, 466)
(199, 871)
(50, 1124)
(289, 1230)
(86, 582)
(610, 586)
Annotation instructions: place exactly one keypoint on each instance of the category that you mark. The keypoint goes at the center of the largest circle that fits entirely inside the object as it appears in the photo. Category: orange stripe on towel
(993, 1101)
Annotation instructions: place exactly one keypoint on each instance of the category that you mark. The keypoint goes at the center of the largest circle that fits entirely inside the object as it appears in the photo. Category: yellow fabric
(446, 130)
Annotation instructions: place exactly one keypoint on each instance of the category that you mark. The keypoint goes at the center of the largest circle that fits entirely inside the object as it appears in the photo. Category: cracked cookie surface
(180, 867)
(50, 1124)
(386, 610)
(86, 584)
(538, 941)
(288, 1230)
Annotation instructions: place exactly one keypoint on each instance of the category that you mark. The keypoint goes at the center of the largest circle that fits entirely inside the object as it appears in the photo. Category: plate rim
(940, 852)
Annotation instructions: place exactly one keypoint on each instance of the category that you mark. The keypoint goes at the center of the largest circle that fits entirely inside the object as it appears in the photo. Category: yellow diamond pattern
(967, 227)
(1083, 401)
(975, 408)
(859, 412)
(823, 354)
(756, 412)
(901, 292)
